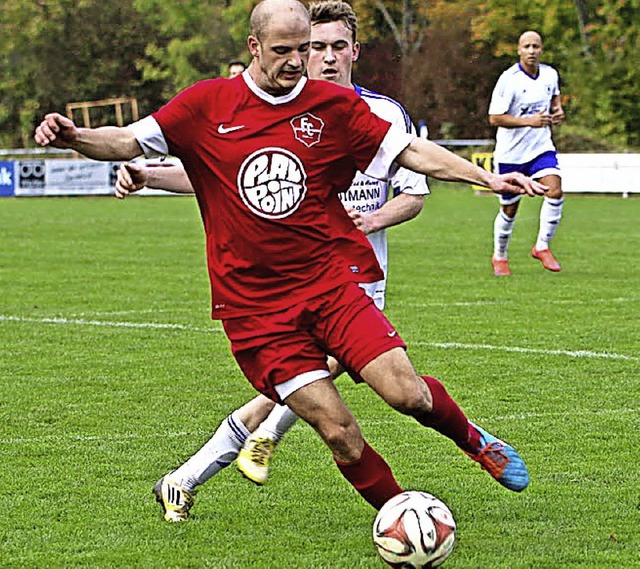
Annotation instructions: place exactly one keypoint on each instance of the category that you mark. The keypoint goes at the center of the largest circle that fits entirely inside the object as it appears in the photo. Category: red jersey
(267, 172)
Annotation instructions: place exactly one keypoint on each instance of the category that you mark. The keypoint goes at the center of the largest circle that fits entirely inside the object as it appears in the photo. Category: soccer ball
(414, 530)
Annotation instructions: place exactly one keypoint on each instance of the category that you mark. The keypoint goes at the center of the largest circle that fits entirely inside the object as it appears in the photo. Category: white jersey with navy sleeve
(519, 94)
(368, 194)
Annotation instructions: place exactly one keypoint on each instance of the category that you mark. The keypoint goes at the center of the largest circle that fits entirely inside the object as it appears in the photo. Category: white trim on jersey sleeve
(150, 137)
(407, 181)
(394, 142)
(410, 182)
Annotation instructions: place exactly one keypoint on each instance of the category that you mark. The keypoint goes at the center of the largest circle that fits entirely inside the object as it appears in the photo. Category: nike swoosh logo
(392, 334)
(227, 129)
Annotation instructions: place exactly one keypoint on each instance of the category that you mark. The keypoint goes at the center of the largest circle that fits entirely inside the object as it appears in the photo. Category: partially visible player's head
(334, 46)
(235, 67)
(279, 44)
(530, 50)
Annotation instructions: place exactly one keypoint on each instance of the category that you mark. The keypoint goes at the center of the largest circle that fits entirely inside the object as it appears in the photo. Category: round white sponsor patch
(272, 182)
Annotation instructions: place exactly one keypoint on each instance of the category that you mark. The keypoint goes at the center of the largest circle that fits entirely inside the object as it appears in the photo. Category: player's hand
(359, 220)
(56, 130)
(557, 116)
(516, 183)
(540, 119)
(132, 177)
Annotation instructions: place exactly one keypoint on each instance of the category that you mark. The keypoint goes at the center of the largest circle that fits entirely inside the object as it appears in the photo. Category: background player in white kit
(333, 51)
(525, 105)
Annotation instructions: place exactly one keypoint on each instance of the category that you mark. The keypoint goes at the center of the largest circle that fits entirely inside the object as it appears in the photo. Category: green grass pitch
(111, 373)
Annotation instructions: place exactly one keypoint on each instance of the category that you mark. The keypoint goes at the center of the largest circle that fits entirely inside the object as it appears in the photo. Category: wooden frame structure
(85, 106)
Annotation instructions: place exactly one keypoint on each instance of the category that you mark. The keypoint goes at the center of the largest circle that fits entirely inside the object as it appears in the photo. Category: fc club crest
(307, 128)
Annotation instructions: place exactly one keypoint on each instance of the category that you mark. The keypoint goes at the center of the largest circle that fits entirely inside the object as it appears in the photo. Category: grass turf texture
(111, 373)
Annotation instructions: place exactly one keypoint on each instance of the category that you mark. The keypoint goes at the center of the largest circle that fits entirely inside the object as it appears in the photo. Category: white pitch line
(470, 303)
(512, 302)
(136, 436)
(101, 438)
(443, 345)
(516, 349)
(580, 413)
(128, 312)
(82, 322)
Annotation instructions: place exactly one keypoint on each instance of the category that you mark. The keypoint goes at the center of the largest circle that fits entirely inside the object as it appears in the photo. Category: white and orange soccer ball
(414, 530)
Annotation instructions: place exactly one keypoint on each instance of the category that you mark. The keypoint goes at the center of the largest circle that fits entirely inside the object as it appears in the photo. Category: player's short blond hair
(327, 11)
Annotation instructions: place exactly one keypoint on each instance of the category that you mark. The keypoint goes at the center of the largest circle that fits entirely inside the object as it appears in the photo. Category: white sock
(550, 216)
(217, 453)
(502, 230)
(276, 425)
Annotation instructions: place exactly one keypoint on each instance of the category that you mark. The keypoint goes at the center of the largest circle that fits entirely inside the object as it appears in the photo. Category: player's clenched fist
(131, 178)
(56, 130)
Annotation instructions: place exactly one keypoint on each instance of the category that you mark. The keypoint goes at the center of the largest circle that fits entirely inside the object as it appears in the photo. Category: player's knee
(343, 439)
(413, 401)
(554, 193)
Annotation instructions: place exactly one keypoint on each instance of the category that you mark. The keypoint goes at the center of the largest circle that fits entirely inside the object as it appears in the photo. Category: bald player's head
(267, 10)
(529, 50)
(530, 36)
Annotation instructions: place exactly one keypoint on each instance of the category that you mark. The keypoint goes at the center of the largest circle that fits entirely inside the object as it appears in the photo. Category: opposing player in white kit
(333, 51)
(525, 105)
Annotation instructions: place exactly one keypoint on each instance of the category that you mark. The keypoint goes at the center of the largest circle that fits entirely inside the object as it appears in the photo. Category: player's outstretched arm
(433, 160)
(103, 143)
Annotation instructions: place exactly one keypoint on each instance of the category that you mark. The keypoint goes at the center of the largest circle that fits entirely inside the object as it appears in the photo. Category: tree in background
(192, 40)
(58, 51)
(606, 78)
(53, 52)
(430, 63)
(441, 58)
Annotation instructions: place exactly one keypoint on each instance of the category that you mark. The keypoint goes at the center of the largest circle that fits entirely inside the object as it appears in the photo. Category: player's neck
(531, 70)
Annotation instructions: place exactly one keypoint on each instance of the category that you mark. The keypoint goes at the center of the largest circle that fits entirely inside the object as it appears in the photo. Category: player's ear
(356, 51)
(254, 46)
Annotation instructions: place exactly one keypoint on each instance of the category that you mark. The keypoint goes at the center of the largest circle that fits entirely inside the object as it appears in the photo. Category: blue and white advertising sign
(7, 178)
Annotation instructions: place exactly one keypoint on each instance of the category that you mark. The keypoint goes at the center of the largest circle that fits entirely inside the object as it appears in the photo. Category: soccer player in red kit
(267, 154)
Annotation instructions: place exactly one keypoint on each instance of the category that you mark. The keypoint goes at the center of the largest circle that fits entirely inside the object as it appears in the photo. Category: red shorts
(343, 322)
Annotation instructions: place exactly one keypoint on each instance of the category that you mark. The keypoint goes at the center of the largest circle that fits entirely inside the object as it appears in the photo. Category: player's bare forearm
(107, 143)
(537, 120)
(431, 159)
(104, 143)
(133, 177)
(437, 162)
(171, 177)
(395, 211)
(557, 112)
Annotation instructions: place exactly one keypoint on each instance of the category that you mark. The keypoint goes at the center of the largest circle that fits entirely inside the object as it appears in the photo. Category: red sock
(448, 419)
(371, 476)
